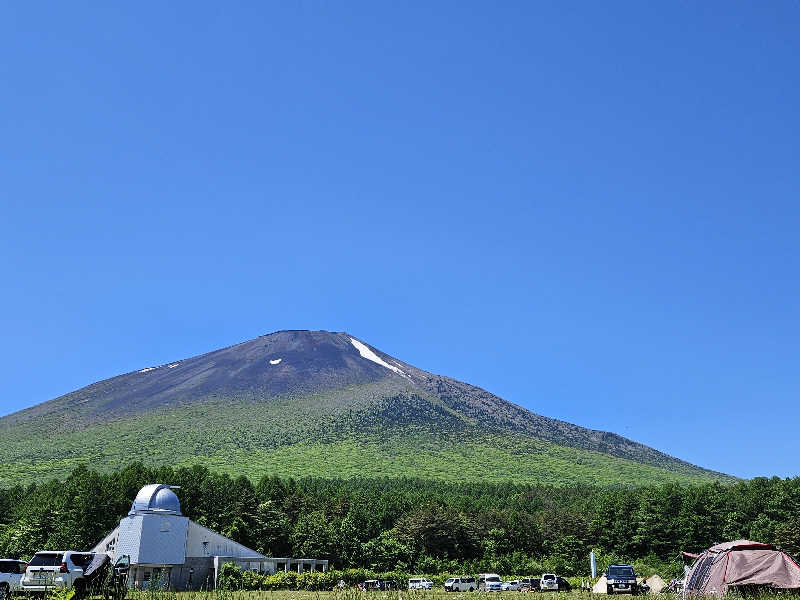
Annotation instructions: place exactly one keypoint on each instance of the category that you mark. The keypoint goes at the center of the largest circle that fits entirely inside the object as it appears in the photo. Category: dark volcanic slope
(310, 362)
(331, 378)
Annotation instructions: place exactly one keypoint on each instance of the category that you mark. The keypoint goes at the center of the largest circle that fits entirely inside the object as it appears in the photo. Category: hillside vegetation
(252, 438)
(310, 403)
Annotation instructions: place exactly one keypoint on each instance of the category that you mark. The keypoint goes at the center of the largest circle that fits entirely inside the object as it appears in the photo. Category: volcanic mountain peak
(285, 392)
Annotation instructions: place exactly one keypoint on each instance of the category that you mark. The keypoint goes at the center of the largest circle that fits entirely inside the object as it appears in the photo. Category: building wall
(272, 565)
(194, 574)
(108, 544)
(153, 539)
(202, 542)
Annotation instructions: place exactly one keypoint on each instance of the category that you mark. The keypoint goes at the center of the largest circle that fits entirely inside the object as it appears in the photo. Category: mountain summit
(317, 403)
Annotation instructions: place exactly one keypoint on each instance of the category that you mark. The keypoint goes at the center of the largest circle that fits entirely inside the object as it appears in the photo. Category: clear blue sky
(590, 209)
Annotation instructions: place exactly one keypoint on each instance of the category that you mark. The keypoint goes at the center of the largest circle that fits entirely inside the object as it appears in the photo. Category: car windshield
(493, 579)
(548, 577)
(620, 572)
(45, 560)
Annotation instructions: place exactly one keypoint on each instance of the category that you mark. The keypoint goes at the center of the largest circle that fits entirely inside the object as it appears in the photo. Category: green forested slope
(418, 525)
(317, 403)
(243, 438)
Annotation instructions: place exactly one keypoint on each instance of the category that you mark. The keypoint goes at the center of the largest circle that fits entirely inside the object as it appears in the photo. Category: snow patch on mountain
(277, 361)
(365, 352)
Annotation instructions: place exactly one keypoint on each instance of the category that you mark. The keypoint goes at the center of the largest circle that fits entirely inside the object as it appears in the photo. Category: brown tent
(738, 564)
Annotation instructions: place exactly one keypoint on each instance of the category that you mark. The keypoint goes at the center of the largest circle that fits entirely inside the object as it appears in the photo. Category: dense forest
(417, 525)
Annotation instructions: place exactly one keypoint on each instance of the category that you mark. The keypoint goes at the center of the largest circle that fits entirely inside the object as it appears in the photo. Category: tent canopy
(741, 563)
(741, 545)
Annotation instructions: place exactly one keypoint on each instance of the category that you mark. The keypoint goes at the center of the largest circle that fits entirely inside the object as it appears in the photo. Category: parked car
(420, 584)
(621, 579)
(381, 585)
(63, 569)
(11, 571)
(549, 582)
(490, 582)
(460, 584)
(529, 584)
(511, 586)
(563, 585)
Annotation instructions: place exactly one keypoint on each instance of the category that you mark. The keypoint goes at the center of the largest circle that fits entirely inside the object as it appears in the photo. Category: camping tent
(656, 584)
(738, 564)
(600, 586)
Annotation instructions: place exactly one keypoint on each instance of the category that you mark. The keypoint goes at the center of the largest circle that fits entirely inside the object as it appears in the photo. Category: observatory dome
(158, 498)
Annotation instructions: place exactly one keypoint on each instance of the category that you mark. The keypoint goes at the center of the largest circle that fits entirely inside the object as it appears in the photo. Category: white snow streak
(370, 355)
(277, 361)
(147, 369)
(173, 365)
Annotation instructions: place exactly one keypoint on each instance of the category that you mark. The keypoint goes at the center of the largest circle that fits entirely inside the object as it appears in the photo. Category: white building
(164, 545)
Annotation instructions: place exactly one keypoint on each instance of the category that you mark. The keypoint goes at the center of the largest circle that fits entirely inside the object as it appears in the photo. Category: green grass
(347, 594)
(436, 594)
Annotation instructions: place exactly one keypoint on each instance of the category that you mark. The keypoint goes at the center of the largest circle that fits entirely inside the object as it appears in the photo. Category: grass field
(349, 594)
(438, 594)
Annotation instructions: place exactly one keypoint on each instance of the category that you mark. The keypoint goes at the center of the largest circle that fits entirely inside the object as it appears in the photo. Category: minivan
(420, 584)
(460, 584)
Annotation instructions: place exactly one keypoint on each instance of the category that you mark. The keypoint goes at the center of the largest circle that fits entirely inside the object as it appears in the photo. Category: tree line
(416, 525)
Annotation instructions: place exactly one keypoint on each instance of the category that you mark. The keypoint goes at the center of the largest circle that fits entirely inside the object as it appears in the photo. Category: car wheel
(609, 590)
(471, 589)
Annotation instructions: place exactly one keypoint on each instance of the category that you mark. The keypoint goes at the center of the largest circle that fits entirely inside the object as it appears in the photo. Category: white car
(511, 586)
(490, 582)
(420, 584)
(549, 583)
(11, 571)
(460, 584)
(62, 569)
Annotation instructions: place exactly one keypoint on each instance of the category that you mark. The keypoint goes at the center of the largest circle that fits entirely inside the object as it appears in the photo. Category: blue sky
(589, 209)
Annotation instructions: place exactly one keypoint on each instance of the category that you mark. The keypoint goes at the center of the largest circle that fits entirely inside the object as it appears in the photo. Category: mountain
(320, 403)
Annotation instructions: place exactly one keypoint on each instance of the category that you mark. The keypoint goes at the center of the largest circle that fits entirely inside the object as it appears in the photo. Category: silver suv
(490, 582)
(62, 569)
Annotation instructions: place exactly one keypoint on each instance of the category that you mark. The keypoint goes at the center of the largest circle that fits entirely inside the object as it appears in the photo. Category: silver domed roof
(156, 497)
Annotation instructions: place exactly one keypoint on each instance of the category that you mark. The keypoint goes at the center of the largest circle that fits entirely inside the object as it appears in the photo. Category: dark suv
(621, 579)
